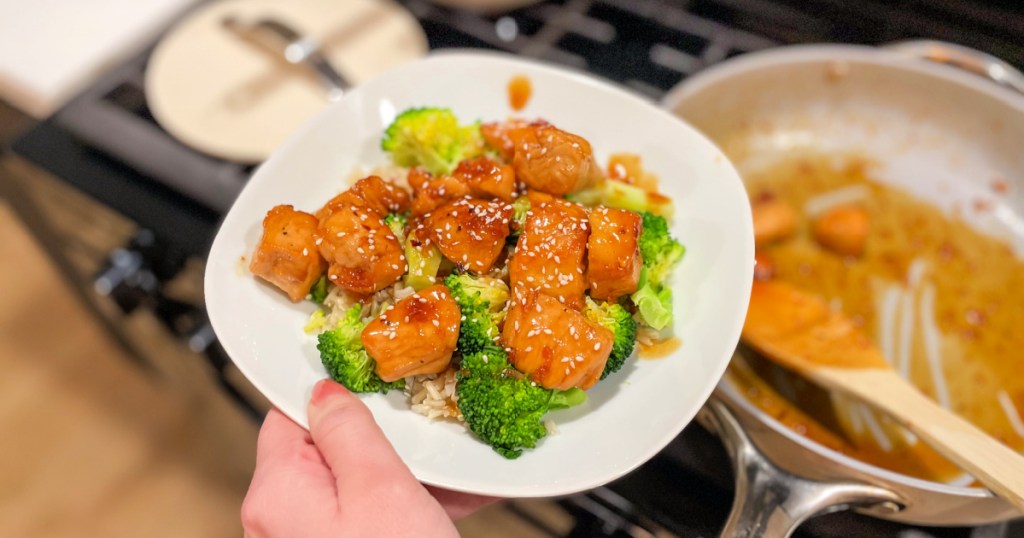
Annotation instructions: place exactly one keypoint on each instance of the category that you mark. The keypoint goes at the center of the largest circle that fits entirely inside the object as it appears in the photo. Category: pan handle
(771, 502)
(966, 58)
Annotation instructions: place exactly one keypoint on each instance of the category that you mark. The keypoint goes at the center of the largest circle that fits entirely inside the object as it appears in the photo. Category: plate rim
(730, 334)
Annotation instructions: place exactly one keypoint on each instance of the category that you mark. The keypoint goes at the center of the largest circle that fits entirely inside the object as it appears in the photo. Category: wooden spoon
(798, 330)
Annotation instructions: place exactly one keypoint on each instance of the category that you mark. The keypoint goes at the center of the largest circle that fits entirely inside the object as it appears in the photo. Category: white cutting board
(223, 96)
(52, 49)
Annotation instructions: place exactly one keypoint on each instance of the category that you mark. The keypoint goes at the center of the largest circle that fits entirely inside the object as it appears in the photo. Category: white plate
(629, 417)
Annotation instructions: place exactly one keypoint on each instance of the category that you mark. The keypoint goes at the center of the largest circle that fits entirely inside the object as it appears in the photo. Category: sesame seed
(360, 250)
(597, 346)
(435, 323)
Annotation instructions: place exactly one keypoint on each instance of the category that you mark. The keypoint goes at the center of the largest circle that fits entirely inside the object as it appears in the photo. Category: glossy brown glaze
(415, 336)
(973, 284)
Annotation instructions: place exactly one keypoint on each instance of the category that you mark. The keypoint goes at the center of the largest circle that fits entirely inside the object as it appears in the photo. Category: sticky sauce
(942, 302)
(659, 350)
(519, 92)
(811, 418)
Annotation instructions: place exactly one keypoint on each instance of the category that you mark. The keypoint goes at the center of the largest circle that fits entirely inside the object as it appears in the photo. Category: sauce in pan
(944, 303)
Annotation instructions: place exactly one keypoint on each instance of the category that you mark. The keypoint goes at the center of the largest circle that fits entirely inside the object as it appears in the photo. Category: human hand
(341, 478)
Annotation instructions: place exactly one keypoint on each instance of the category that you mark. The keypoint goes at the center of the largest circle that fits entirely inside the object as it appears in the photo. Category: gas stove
(106, 144)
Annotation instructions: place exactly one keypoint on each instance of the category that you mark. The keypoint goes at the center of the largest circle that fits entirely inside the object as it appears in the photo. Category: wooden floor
(93, 446)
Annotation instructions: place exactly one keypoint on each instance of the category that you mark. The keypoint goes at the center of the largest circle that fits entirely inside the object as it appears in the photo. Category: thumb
(351, 442)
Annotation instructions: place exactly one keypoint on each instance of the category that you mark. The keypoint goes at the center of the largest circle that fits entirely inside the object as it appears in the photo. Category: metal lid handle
(966, 58)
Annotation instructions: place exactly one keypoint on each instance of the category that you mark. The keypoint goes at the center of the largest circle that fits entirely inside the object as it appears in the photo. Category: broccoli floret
(562, 399)
(617, 319)
(653, 302)
(501, 405)
(347, 362)
(431, 138)
(316, 322)
(519, 210)
(482, 302)
(318, 292)
(424, 262)
(397, 222)
(659, 250)
(618, 194)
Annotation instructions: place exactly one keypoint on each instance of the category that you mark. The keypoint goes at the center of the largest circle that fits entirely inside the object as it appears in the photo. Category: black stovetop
(106, 144)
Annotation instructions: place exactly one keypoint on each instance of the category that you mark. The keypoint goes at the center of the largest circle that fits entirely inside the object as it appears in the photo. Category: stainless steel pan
(940, 131)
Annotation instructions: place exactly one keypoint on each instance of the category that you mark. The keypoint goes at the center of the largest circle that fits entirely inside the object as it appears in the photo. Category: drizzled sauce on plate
(659, 350)
(520, 89)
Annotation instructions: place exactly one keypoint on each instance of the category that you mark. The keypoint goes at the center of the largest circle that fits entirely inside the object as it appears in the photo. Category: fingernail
(325, 389)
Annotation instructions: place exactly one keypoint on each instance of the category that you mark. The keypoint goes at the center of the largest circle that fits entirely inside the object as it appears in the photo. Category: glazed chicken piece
(497, 134)
(557, 346)
(487, 179)
(286, 255)
(843, 230)
(417, 178)
(551, 160)
(613, 253)
(470, 232)
(415, 336)
(774, 220)
(549, 254)
(362, 252)
(370, 192)
(437, 192)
